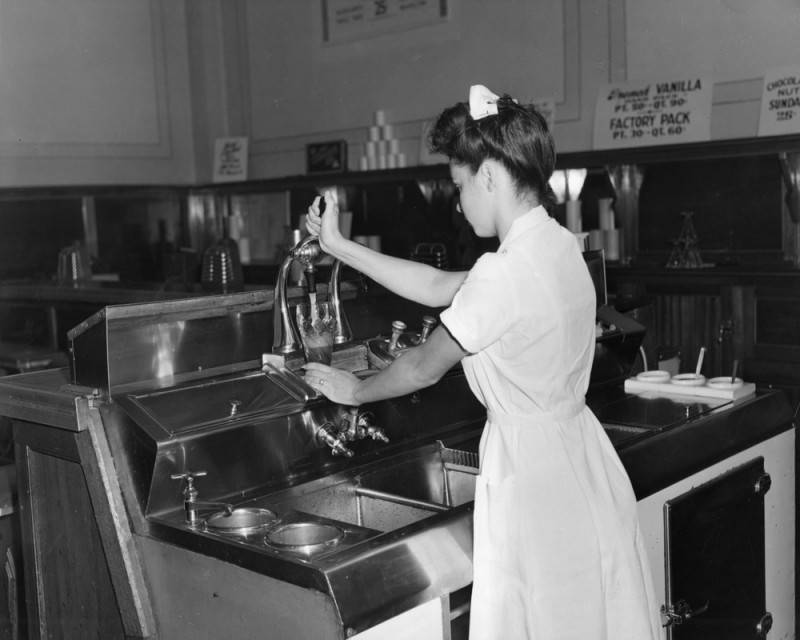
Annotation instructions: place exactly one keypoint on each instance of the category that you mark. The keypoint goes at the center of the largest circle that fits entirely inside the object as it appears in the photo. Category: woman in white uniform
(557, 549)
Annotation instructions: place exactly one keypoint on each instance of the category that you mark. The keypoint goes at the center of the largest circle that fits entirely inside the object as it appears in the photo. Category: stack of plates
(689, 384)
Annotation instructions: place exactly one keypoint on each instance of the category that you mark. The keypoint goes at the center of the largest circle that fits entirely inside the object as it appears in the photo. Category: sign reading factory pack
(344, 20)
(652, 113)
(780, 102)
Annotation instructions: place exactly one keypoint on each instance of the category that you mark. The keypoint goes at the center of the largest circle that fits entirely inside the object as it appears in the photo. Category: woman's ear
(487, 173)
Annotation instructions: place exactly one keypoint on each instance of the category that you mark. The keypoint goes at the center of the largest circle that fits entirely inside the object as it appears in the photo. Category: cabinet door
(714, 544)
(68, 587)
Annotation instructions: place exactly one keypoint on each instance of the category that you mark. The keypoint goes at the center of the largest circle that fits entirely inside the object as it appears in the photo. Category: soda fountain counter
(182, 481)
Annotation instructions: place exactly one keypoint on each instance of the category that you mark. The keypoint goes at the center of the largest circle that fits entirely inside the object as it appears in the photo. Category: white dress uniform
(557, 549)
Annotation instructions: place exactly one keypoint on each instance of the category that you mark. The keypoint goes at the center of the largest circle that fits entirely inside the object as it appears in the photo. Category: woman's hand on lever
(325, 225)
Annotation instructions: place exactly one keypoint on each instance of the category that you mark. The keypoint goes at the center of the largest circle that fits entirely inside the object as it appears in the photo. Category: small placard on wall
(230, 159)
(636, 114)
(780, 102)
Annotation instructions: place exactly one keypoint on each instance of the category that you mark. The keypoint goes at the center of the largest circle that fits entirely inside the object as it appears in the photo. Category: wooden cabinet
(749, 316)
(83, 576)
(69, 593)
(772, 524)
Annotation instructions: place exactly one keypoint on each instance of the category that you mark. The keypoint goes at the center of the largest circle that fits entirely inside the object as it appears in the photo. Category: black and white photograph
(399, 319)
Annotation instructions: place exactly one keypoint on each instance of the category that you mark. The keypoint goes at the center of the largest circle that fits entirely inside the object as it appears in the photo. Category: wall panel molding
(160, 146)
(291, 147)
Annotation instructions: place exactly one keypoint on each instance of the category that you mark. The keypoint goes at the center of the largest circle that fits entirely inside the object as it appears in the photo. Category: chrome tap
(342, 333)
(328, 434)
(428, 323)
(191, 504)
(357, 425)
(307, 252)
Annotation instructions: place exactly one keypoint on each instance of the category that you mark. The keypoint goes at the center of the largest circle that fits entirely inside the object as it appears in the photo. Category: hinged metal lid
(193, 407)
(163, 343)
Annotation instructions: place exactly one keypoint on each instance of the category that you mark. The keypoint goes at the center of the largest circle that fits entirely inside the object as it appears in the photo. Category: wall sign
(344, 20)
(652, 113)
(780, 102)
(230, 159)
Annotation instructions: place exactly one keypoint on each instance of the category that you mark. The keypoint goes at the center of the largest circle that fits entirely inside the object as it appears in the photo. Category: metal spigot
(343, 333)
(191, 504)
(428, 323)
(398, 326)
(376, 433)
(329, 435)
(357, 425)
(286, 338)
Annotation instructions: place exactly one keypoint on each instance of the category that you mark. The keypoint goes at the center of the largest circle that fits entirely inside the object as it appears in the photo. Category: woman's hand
(336, 385)
(325, 226)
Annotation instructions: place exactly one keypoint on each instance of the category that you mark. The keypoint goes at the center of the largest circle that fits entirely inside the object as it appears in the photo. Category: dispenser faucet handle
(191, 505)
(190, 491)
(428, 323)
(189, 476)
(398, 326)
(329, 435)
(307, 251)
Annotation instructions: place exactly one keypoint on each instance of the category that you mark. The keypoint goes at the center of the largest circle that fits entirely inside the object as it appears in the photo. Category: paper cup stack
(382, 149)
(609, 234)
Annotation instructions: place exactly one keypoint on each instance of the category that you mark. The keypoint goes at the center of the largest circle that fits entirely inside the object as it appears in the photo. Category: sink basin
(439, 478)
(389, 496)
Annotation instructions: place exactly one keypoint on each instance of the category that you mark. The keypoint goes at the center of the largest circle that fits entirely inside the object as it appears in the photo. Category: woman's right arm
(415, 281)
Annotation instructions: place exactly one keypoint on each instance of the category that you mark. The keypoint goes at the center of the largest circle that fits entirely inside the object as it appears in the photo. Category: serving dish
(725, 382)
(655, 375)
(689, 379)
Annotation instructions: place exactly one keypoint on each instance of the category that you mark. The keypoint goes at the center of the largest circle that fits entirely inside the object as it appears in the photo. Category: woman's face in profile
(472, 199)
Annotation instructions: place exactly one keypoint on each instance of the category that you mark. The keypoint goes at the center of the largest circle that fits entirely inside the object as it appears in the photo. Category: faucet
(357, 425)
(307, 252)
(191, 504)
(353, 424)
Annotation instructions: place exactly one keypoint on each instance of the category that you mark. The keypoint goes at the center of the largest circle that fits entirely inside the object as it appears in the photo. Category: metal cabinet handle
(763, 484)
(679, 613)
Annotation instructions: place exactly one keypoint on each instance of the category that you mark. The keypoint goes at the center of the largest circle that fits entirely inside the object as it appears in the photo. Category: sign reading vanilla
(780, 102)
(650, 113)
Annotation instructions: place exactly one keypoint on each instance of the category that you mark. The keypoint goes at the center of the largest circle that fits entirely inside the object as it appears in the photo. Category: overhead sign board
(345, 20)
(636, 114)
(780, 102)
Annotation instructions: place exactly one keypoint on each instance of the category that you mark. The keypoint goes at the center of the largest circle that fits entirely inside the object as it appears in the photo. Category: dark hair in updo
(517, 137)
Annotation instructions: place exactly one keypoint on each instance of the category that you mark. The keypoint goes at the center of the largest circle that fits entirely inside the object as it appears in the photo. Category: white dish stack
(689, 384)
(382, 149)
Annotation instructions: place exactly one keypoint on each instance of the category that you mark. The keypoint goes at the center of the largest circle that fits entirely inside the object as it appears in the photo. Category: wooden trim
(122, 555)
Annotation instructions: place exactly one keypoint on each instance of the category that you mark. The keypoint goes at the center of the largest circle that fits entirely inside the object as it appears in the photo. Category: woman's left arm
(415, 369)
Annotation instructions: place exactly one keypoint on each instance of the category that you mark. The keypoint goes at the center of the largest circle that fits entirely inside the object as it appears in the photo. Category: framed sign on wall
(326, 157)
(344, 20)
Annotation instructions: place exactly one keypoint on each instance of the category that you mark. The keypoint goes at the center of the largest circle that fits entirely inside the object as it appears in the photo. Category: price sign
(344, 20)
(230, 159)
(651, 113)
(780, 102)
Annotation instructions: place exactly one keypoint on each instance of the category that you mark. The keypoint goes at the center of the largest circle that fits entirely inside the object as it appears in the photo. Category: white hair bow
(482, 102)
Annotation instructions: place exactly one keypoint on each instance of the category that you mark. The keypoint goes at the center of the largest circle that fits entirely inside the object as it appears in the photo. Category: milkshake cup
(316, 324)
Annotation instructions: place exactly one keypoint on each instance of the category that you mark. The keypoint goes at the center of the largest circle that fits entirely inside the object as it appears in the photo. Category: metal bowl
(243, 521)
(304, 537)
